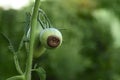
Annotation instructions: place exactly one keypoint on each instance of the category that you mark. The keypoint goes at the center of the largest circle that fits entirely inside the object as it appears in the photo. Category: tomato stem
(32, 39)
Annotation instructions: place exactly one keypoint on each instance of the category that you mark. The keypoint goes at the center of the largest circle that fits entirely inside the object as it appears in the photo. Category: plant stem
(32, 39)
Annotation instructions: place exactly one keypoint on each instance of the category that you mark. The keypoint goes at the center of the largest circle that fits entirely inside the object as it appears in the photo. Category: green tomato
(39, 49)
(50, 38)
(45, 38)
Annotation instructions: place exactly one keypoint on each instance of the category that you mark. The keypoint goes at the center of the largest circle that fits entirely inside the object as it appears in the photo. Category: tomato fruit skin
(51, 38)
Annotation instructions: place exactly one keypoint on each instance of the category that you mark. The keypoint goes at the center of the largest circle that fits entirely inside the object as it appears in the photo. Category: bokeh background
(90, 49)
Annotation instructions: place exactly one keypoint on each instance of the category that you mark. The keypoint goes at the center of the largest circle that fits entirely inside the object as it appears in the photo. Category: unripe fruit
(38, 48)
(45, 38)
(50, 38)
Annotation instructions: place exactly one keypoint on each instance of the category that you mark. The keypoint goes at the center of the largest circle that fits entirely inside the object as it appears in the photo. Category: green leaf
(41, 73)
(16, 78)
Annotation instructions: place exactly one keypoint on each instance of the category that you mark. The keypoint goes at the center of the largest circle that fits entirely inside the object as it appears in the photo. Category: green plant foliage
(87, 51)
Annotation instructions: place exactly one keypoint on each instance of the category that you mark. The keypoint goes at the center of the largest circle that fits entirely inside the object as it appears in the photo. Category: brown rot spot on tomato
(53, 41)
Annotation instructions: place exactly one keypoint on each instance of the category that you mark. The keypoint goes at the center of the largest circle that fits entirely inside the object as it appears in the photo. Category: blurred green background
(88, 51)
